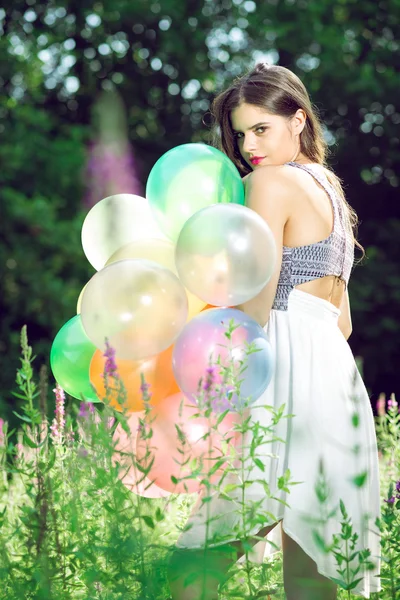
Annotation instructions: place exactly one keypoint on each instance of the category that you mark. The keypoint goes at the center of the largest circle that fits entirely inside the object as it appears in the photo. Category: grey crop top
(331, 256)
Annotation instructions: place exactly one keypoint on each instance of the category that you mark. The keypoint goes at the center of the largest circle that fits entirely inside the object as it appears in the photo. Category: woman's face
(273, 139)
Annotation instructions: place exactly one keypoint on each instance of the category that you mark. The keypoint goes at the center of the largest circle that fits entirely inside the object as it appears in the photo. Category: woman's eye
(239, 135)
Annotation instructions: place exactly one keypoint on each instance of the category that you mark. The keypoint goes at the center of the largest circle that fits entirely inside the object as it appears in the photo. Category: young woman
(266, 124)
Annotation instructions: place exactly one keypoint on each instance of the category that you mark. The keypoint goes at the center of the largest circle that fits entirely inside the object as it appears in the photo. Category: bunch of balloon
(225, 255)
(136, 299)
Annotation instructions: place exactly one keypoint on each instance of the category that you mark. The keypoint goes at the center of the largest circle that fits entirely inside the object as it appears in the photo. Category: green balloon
(70, 356)
(188, 178)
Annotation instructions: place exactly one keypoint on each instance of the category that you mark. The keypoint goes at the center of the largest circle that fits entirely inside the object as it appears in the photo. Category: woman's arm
(344, 321)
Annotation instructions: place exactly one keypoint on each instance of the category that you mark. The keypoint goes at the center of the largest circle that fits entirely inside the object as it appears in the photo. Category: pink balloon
(191, 356)
(127, 444)
(164, 443)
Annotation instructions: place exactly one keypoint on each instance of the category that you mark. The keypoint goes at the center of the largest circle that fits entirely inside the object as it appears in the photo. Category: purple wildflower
(82, 452)
(392, 403)
(144, 388)
(210, 371)
(393, 499)
(85, 409)
(58, 425)
(141, 428)
(229, 389)
(110, 367)
(390, 501)
(111, 167)
(110, 170)
(223, 402)
(220, 405)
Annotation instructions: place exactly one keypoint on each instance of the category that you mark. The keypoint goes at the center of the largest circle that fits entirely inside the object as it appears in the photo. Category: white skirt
(317, 379)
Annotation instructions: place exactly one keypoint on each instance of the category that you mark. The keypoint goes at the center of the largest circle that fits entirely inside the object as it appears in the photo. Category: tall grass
(71, 529)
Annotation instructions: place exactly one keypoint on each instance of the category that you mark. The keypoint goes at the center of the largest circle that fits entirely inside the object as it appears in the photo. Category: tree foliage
(167, 59)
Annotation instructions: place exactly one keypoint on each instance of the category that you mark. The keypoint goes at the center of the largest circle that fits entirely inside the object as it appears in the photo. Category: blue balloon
(203, 340)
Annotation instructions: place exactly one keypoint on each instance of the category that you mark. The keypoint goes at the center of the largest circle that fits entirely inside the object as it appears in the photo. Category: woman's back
(318, 252)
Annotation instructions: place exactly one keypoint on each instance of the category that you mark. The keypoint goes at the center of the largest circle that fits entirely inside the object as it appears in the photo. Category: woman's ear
(299, 121)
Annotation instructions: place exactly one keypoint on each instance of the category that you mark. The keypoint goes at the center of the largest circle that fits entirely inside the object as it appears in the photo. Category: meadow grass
(70, 529)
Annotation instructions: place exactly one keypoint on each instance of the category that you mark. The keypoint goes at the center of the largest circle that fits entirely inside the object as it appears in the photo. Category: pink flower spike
(1, 432)
(381, 405)
(392, 403)
(58, 425)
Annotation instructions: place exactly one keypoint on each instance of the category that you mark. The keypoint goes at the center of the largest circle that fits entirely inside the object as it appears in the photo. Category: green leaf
(149, 521)
(354, 583)
(360, 479)
(159, 515)
(222, 417)
(29, 442)
(352, 556)
(319, 540)
(51, 461)
(20, 396)
(191, 578)
(339, 582)
(181, 435)
(259, 464)
(343, 509)
(230, 487)
(22, 417)
(145, 469)
(216, 466)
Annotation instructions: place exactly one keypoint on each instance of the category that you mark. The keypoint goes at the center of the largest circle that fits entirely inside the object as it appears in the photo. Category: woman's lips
(256, 161)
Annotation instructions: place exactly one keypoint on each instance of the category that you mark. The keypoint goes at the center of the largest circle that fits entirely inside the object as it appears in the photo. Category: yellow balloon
(163, 253)
(79, 303)
(139, 305)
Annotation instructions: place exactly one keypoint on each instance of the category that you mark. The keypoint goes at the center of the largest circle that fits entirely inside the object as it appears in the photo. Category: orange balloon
(207, 306)
(157, 371)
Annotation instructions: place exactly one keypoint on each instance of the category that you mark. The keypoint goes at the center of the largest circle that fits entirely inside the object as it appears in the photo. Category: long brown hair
(280, 92)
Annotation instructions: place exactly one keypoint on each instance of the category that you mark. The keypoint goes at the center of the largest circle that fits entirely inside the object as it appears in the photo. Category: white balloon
(114, 222)
(225, 254)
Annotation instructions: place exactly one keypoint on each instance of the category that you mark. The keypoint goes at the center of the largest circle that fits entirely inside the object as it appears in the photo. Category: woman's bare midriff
(330, 287)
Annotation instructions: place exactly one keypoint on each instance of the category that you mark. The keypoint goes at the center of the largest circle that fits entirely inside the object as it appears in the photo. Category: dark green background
(346, 53)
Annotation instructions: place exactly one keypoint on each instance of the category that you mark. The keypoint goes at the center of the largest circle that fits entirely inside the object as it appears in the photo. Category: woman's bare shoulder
(277, 175)
(283, 171)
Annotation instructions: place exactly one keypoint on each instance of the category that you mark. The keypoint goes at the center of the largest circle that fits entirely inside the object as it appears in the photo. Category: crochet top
(332, 256)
